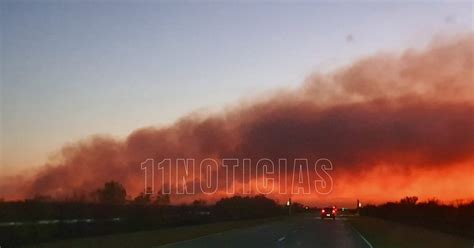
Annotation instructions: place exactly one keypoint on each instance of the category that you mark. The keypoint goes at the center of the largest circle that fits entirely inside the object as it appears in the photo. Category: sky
(71, 69)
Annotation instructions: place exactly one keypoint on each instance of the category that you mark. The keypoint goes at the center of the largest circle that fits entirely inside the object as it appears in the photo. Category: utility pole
(288, 204)
(358, 206)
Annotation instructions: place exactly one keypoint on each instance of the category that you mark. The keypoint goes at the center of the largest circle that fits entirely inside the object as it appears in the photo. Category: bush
(238, 207)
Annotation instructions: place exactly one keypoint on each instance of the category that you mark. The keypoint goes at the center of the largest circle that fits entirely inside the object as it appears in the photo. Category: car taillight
(322, 211)
(333, 211)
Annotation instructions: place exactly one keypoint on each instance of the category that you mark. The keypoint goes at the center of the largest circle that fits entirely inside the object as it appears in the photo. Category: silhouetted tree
(142, 199)
(112, 193)
(409, 200)
(162, 199)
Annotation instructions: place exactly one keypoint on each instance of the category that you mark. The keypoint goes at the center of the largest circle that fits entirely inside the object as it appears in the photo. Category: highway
(302, 231)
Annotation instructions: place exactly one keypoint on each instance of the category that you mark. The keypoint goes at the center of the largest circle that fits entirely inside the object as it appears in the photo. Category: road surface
(302, 231)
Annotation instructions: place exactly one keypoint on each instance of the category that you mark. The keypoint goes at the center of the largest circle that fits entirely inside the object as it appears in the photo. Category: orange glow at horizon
(375, 186)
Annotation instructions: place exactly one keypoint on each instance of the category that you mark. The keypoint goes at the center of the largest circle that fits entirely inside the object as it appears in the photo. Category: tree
(409, 200)
(143, 199)
(162, 199)
(112, 193)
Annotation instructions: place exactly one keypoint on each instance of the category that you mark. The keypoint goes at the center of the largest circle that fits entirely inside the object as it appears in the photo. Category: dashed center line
(281, 239)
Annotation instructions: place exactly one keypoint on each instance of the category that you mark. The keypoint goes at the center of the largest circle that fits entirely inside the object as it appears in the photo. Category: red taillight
(333, 211)
(322, 211)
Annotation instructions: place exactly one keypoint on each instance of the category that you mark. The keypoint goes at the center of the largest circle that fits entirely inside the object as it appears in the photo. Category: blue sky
(72, 69)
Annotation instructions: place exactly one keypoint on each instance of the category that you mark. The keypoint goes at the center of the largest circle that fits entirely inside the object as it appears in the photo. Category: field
(160, 236)
(387, 234)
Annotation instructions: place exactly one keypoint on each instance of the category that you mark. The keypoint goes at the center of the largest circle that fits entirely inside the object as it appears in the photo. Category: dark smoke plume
(405, 113)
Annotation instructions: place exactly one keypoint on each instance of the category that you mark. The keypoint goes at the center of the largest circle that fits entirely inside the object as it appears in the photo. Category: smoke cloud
(395, 124)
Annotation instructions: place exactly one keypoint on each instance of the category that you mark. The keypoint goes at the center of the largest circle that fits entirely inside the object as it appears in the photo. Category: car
(328, 213)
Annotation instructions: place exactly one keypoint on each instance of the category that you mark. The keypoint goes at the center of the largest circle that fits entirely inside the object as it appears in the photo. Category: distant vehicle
(328, 213)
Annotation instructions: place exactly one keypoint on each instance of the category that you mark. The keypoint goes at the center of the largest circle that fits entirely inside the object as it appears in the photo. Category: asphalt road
(303, 231)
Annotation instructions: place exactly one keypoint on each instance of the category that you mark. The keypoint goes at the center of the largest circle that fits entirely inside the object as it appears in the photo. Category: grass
(387, 234)
(158, 237)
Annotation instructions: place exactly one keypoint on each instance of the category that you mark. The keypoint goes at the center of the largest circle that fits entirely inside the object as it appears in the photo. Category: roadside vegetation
(157, 237)
(389, 234)
(431, 214)
(108, 211)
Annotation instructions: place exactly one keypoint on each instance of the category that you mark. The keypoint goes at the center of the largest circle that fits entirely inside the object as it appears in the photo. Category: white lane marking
(360, 235)
(281, 239)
